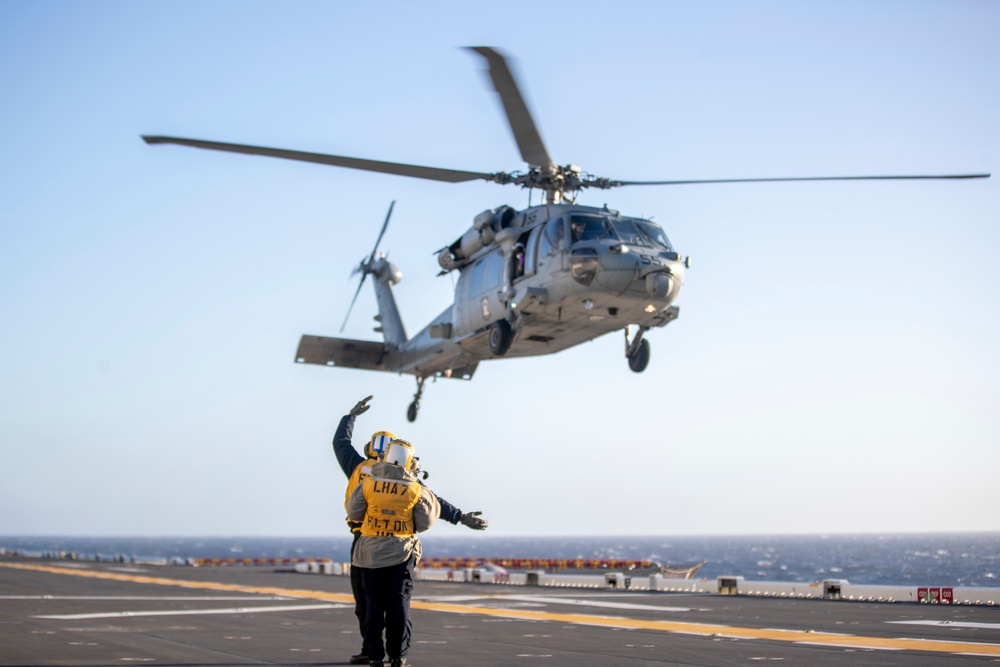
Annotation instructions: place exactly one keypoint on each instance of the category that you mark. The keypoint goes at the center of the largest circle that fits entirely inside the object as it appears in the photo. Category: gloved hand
(472, 520)
(360, 407)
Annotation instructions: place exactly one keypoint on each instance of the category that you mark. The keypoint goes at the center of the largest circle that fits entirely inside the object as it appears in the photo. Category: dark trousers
(388, 591)
(360, 604)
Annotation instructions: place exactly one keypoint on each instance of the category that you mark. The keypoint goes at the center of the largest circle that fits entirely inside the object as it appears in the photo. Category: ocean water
(940, 559)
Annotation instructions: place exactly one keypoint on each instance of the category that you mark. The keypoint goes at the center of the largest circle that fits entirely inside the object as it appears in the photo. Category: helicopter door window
(476, 278)
(517, 263)
(549, 240)
(462, 291)
(530, 249)
(494, 270)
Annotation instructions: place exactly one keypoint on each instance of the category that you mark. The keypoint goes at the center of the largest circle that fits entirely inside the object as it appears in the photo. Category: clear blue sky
(835, 367)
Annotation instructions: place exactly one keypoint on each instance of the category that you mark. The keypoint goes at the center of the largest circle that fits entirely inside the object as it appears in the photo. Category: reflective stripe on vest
(390, 506)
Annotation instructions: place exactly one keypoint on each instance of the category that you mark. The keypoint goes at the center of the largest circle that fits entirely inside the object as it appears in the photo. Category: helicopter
(530, 282)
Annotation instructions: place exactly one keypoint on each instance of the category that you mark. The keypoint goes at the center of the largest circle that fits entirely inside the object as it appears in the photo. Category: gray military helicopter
(530, 282)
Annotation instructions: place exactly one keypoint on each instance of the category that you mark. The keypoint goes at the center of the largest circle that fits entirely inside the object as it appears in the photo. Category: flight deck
(90, 613)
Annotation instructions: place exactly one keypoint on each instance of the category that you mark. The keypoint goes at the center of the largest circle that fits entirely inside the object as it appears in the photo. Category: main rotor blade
(397, 168)
(612, 184)
(381, 233)
(529, 141)
(351, 307)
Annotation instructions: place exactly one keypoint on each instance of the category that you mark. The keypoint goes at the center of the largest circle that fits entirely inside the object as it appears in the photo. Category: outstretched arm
(347, 456)
(453, 515)
(426, 511)
(449, 512)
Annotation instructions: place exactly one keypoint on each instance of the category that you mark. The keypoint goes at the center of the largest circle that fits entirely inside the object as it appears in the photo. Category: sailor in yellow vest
(355, 467)
(393, 507)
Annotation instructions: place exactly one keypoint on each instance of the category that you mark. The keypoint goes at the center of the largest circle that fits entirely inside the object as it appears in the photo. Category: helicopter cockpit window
(653, 234)
(627, 232)
(588, 228)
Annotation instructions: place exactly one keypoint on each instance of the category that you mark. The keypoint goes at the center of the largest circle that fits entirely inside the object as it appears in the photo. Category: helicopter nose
(659, 285)
(666, 282)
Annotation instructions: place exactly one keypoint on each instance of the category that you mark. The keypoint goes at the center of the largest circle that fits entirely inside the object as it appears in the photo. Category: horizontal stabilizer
(364, 354)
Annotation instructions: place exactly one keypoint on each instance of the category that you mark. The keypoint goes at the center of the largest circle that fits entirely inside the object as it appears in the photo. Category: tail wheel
(500, 337)
(411, 412)
(640, 359)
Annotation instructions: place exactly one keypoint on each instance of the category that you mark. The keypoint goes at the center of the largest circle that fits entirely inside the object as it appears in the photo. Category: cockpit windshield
(627, 232)
(653, 234)
(630, 231)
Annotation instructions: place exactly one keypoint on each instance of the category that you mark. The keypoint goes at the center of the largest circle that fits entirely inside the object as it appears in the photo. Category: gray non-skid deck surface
(255, 616)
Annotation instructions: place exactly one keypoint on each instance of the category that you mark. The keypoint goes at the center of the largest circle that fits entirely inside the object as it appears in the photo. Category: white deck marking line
(950, 624)
(178, 598)
(186, 612)
(588, 603)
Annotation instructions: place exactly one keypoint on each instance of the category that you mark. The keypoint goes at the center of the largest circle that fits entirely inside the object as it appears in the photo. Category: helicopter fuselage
(558, 275)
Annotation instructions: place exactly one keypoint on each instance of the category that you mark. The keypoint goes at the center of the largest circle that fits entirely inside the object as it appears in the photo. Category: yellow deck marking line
(703, 629)
(207, 585)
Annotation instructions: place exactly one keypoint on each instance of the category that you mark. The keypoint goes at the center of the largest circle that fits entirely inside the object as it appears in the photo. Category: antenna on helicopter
(364, 267)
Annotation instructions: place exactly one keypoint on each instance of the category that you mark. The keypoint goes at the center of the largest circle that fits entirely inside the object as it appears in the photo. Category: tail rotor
(364, 267)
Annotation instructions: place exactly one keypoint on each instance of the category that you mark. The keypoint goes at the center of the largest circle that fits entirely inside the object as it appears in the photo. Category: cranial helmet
(378, 443)
(400, 453)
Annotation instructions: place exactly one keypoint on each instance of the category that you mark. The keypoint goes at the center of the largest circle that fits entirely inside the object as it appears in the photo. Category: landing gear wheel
(500, 337)
(640, 358)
